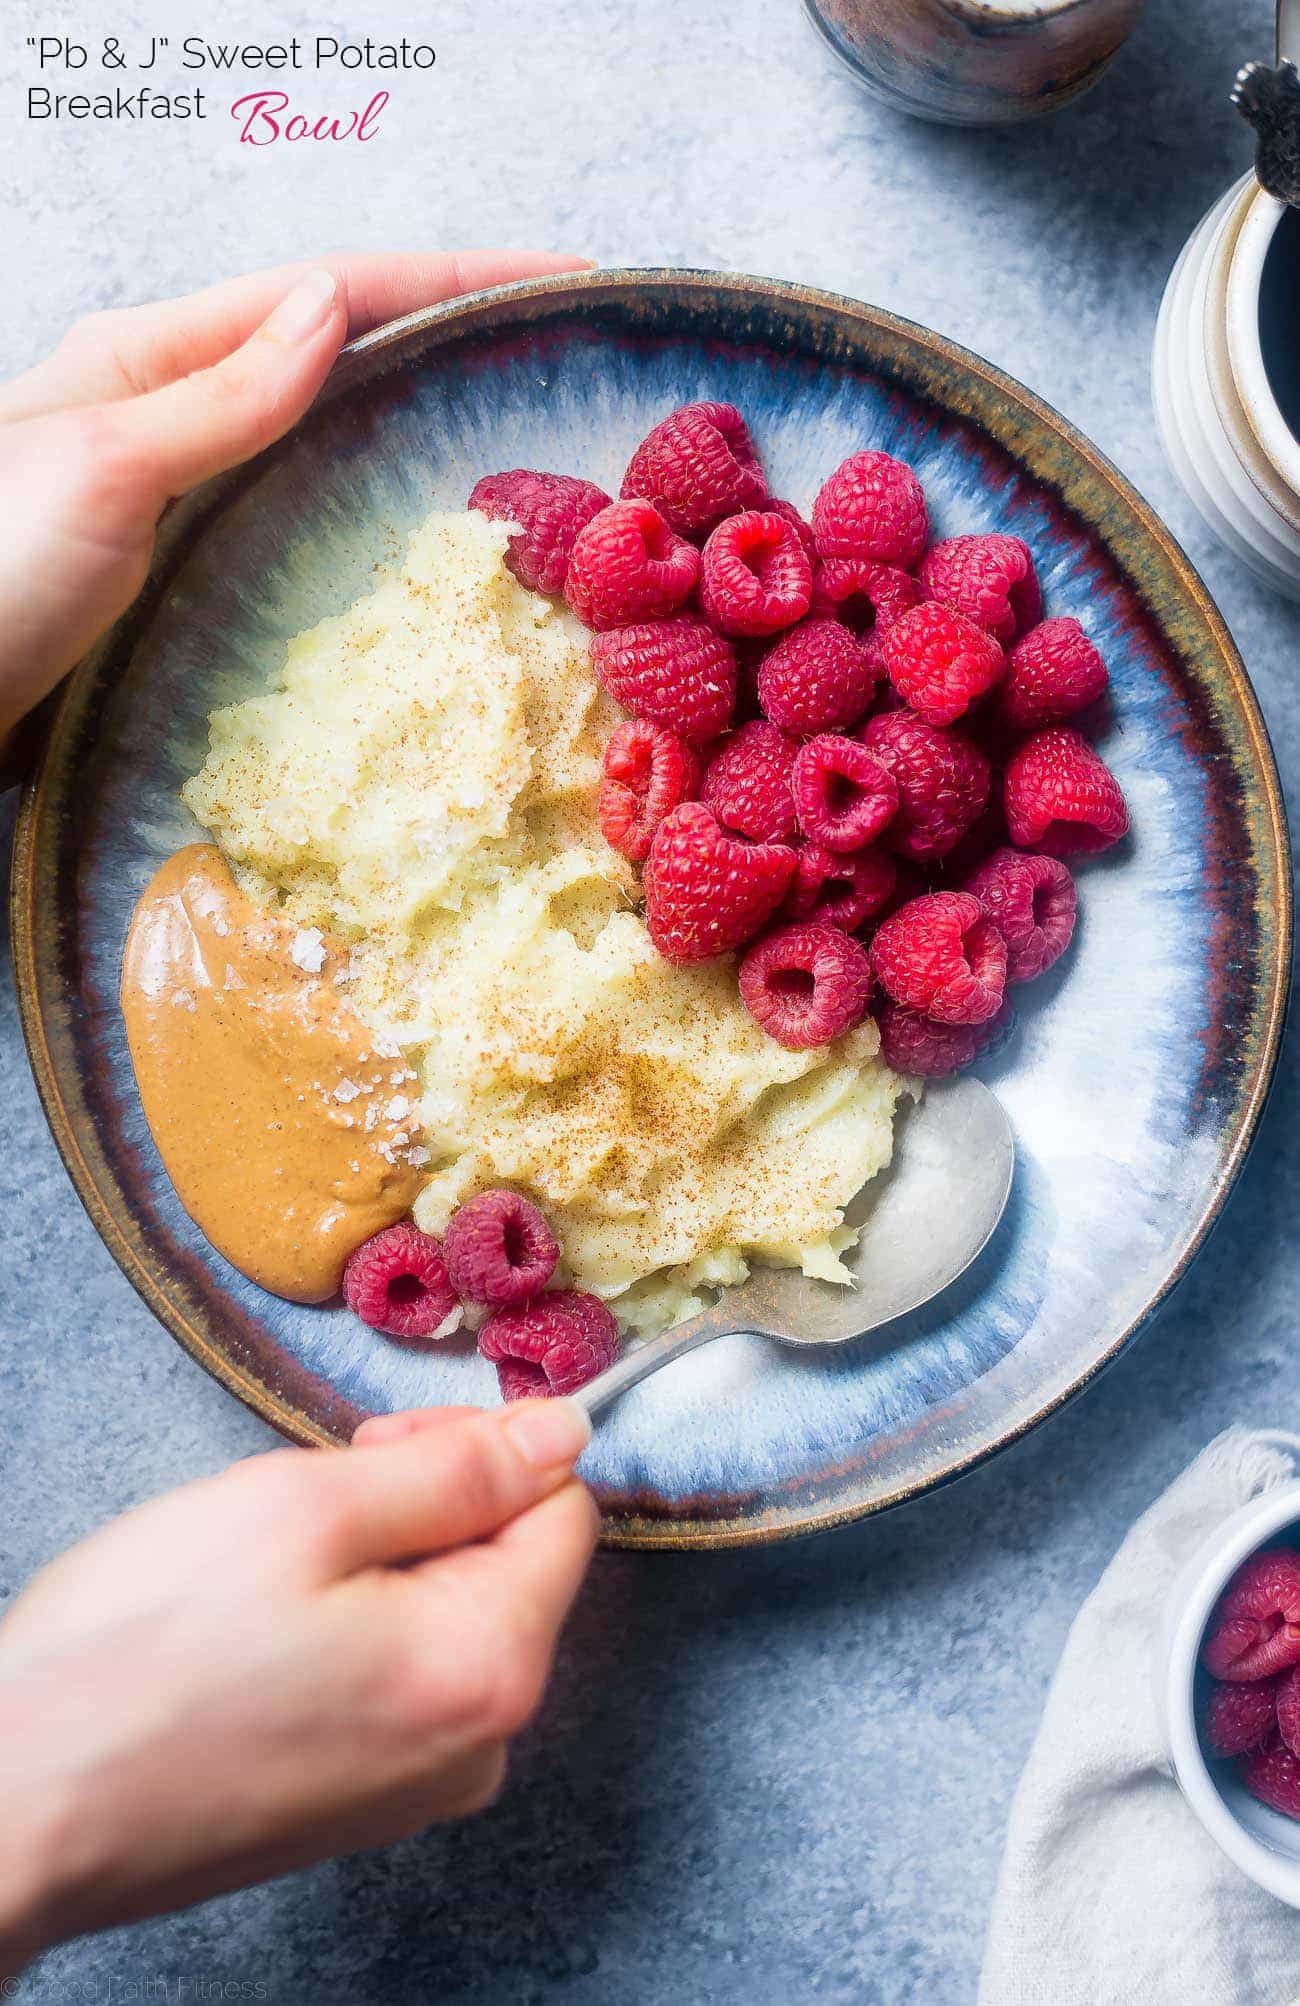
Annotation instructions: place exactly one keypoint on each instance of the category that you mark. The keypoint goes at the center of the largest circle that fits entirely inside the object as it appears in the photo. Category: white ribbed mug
(1221, 423)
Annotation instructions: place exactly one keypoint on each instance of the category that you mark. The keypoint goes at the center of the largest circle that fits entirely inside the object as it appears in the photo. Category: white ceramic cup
(1222, 427)
(1263, 1843)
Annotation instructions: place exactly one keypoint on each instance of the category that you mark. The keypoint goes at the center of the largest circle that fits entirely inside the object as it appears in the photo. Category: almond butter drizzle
(286, 1132)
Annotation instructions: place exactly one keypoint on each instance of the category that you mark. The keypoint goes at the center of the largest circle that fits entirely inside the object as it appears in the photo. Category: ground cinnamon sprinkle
(420, 783)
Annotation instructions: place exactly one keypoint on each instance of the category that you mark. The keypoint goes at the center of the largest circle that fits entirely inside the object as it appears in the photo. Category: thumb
(460, 1477)
(204, 423)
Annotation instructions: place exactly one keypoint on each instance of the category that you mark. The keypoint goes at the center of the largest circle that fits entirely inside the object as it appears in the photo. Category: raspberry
(1052, 672)
(990, 579)
(1255, 1631)
(985, 835)
(698, 464)
(1237, 1718)
(806, 984)
(707, 892)
(1060, 796)
(1286, 1695)
(1031, 901)
(939, 662)
(648, 771)
(865, 596)
(499, 1249)
(789, 513)
(911, 1042)
(676, 672)
(397, 1282)
(840, 891)
(816, 678)
(942, 955)
(910, 885)
(843, 795)
(628, 565)
(872, 506)
(749, 657)
(943, 782)
(755, 577)
(552, 1345)
(552, 509)
(886, 698)
(1272, 1774)
(747, 783)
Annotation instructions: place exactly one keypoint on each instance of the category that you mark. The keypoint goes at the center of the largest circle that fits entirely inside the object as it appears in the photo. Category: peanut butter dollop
(286, 1127)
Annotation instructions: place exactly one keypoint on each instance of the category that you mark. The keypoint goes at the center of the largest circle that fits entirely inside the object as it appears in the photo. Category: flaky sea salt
(308, 949)
(346, 1090)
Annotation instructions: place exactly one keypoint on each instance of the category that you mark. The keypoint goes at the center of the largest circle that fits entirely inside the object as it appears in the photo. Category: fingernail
(305, 310)
(549, 1433)
(382, 1428)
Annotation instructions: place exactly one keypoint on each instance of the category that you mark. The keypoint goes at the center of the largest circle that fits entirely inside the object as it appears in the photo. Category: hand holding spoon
(930, 1214)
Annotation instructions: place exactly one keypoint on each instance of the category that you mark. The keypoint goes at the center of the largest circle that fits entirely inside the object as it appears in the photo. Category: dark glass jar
(975, 62)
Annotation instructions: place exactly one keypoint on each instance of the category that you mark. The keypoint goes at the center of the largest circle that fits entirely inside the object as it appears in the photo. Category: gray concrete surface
(776, 1776)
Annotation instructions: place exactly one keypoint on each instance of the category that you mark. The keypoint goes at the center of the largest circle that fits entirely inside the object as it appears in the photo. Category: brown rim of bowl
(630, 1529)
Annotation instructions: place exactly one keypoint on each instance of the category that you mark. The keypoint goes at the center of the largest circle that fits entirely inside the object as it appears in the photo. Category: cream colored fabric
(1110, 1893)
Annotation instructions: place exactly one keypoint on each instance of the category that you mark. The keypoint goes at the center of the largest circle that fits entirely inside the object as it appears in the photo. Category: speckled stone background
(773, 1776)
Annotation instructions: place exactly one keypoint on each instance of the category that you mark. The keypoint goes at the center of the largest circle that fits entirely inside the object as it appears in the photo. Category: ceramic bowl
(1143, 1061)
(974, 62)
(1262, 1842)
(1222, 427)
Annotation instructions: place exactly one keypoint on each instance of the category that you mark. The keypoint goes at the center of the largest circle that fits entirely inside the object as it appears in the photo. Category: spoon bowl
(920, 1226)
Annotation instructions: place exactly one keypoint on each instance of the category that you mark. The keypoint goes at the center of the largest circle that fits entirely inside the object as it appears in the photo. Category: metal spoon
(1269, 99)
(923, 1222)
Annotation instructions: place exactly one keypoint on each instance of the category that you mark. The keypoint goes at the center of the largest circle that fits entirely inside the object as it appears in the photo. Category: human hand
(313, 1652)
(140, 404)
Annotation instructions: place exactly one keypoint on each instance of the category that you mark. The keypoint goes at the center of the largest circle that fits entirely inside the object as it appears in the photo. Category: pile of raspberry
(493, 1270)
(851, 755)
(1252, 1654)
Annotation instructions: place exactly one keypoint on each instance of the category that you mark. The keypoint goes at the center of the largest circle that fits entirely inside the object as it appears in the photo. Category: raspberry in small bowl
(1226, 1684)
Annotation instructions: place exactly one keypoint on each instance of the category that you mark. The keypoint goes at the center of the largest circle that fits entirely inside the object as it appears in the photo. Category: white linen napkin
(1110, 1893)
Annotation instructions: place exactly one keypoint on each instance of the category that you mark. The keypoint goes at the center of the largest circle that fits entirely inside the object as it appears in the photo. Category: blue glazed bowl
(1143, 1061)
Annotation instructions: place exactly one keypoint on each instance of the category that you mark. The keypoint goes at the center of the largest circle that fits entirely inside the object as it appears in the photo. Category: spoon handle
(1288, 31)
(639, 1363)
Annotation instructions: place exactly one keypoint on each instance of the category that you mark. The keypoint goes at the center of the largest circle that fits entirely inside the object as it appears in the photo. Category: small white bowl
(1263, 1843)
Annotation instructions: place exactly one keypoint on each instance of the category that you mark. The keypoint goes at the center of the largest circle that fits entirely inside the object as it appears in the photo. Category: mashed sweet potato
(420, 780)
